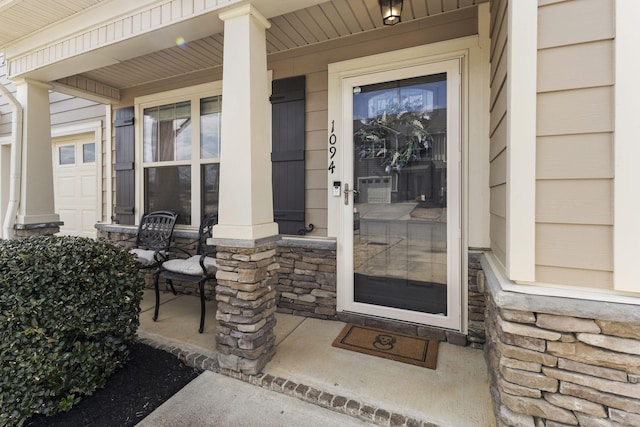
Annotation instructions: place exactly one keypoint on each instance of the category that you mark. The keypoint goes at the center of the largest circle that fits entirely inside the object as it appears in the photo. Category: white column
(246, 205)
(521, 139)
(626, 227)
(36, 194)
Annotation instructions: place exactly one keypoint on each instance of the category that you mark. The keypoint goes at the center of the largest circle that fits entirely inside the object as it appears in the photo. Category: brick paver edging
(336, 403)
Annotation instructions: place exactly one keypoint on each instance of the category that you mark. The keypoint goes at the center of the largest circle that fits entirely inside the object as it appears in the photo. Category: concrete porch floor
(454, 394)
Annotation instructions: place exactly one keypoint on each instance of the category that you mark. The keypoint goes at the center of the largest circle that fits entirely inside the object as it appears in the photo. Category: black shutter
(125, 179)
(287, 156)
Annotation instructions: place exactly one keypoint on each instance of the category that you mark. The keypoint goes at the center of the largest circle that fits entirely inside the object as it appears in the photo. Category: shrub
(68, 308)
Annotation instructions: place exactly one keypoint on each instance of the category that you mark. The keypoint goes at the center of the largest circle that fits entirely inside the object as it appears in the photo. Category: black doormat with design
(389, 345)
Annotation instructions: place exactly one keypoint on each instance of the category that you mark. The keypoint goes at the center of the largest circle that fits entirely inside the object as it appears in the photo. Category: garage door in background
(74, 182)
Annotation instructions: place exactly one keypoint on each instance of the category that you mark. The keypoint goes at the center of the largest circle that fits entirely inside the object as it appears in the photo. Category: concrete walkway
(374, 389)
(216, 400)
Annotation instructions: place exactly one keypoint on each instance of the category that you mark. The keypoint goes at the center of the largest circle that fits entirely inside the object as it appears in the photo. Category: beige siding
(564, 67)
(573, 22)
(574, 153)
(572, 246)
(556, 155)
(574, 277)
(575, 111)
(498, 131)
(581, 201)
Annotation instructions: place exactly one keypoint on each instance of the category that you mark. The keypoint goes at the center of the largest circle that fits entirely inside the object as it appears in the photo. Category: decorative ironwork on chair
(199, 268)
(153, 239)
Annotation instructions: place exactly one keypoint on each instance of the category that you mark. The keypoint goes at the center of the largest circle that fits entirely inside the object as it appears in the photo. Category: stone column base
(23, 231)
(246, 295)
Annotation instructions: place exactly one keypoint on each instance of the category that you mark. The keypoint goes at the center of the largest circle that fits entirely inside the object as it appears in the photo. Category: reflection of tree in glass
(397, 137)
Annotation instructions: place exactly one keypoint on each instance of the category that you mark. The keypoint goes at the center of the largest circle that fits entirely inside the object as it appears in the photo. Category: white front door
(75, 186)
(401, 181)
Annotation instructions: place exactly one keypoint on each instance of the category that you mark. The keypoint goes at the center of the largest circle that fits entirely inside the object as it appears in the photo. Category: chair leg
(156, 286)
(202, 305)
(170, 282)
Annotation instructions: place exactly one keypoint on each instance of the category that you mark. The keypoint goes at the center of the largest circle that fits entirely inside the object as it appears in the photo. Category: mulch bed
(149, 378)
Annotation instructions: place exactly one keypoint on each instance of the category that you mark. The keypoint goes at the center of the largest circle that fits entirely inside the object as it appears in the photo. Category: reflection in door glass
(400, 210)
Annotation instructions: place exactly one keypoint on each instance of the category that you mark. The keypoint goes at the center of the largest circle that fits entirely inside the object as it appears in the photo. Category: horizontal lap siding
(498, 131)
(574, 159)
(313, 63)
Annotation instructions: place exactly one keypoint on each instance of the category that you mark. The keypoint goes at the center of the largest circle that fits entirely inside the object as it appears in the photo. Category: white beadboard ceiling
(316, 24)
(19, 18)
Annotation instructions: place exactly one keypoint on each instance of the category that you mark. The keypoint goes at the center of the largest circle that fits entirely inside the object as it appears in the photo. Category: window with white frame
(180, 152)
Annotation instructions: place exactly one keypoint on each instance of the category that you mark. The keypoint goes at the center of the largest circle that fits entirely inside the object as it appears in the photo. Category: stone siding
(306, 279)
(476, 331)
(553, 369)
(246, 299)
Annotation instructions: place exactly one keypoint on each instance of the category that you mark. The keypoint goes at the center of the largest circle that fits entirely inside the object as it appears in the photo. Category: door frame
(341, 157)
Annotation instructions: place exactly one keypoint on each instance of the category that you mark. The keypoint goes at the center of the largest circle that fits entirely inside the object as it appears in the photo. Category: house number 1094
(332, 147)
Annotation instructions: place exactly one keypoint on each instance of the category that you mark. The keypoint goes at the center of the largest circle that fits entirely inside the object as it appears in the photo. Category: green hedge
(68, 308)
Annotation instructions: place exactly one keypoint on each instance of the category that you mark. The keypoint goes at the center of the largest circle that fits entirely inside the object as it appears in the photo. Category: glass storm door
(403, 193)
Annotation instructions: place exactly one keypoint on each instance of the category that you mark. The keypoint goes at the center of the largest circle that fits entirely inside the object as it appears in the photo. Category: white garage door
(75, 186)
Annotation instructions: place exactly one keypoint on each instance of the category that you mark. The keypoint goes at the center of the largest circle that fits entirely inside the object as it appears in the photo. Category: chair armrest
(203, 257)
(184, 250)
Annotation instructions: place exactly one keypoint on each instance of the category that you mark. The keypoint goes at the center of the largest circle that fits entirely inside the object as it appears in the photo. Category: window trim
(193, 94)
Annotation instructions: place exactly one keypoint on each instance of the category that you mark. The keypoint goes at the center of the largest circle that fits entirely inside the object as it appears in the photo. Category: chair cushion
(145, 257)
(191, 266)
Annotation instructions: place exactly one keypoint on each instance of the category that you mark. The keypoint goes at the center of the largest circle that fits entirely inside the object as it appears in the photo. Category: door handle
(346, 193)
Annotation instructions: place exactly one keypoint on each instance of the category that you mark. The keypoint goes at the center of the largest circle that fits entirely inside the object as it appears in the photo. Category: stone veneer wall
(246, 299)
(476, 331)
(307, 278)
(558, 361)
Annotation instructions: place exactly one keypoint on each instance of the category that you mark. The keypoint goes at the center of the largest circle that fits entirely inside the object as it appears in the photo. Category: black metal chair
(199, 268)
(153, 240)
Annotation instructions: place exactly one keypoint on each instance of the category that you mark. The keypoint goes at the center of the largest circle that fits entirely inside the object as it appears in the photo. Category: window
(181, 152)
(67, 155)
(89, 153)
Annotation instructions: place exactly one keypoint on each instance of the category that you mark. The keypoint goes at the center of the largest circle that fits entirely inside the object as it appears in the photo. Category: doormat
(389, 345)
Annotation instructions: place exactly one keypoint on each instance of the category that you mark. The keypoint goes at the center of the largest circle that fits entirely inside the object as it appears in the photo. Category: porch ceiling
(20, 18)
(307, 26)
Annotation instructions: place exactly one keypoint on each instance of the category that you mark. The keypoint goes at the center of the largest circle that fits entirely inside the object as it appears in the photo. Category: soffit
(20, 18)
(316, 24)
(313, 23)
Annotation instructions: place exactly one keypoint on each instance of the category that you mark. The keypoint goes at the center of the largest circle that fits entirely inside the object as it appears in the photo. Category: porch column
(246, 205)
(36, 209)
(245, 234)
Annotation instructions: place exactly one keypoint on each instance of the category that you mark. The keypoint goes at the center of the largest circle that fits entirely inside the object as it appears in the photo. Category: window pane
(167, 132)
(67, 155)
(89, 153)
(210, 127)
(210, 183)
(169, 188)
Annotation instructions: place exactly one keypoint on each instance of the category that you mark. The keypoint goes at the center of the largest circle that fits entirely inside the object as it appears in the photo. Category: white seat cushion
(145, 257)
(191, 266)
